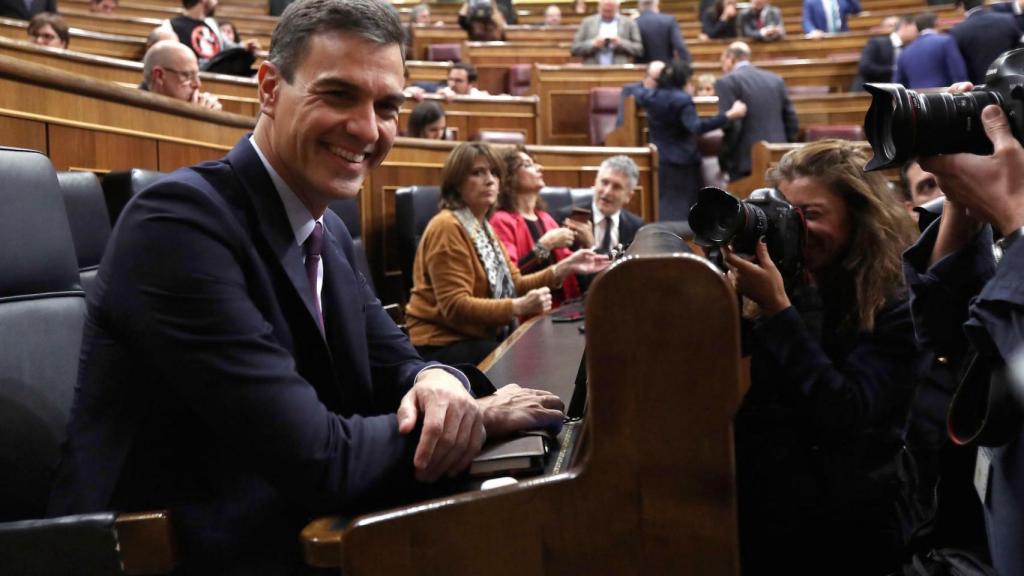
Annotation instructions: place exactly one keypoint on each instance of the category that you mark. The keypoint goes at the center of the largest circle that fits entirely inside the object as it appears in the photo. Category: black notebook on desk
(517, 457)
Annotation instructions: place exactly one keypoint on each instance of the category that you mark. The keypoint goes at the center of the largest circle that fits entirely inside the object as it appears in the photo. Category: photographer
(962, 299)
(482, 22)
(833, 363)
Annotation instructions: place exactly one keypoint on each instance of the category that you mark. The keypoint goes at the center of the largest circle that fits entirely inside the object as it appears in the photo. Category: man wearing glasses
(170, 68)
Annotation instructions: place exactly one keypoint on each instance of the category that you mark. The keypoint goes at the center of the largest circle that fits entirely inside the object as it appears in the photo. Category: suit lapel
(273, 221)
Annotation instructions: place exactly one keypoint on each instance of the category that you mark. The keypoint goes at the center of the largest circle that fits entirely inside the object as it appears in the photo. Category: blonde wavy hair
(880, 228)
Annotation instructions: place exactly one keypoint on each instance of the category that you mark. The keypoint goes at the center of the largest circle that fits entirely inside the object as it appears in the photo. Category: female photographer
(833, 364)
(466, 291)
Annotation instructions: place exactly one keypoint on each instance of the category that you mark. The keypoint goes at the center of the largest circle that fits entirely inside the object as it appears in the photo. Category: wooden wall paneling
(564, 98)
(93, 150)
(116, 46)
(22, 133)
(174, 155)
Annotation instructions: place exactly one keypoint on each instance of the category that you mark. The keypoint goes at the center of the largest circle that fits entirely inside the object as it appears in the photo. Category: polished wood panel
(116, 46)
(471, 115)
(174, 155)
(653, 491)
(83, 149)
(23, 133)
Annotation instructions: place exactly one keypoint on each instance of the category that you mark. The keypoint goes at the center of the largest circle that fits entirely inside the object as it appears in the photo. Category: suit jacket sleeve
(630, 42)
(871, 64)
(901, 71)
(775, 18)
(582, 43)
(810, 16)
(677, 42)
(188, 312)
(725, 89)
(695, 124)
(955, 65)
(789, 117)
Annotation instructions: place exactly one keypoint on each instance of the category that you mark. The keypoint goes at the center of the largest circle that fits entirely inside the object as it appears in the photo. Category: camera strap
(983, 410)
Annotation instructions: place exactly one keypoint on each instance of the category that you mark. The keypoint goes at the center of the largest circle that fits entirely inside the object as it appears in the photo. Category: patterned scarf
(487, 249)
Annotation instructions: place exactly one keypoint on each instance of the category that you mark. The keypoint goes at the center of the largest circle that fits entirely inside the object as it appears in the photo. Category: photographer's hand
(991, 188)
(760, 281)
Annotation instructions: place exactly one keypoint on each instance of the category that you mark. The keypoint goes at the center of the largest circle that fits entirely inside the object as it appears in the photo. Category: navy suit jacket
(877, 61)
(17, 8)
(982, 37)
(207, 387)
(1007, 8)
(814, 14)
(770, 114)
(931, 61)
(661, 38)
(674, 125)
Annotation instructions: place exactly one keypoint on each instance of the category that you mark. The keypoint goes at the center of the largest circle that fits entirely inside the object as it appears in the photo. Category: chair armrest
(147, 542)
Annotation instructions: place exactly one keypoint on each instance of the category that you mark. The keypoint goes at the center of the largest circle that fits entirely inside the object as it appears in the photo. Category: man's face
(923, 185)
(758, 4)
(45, 35)
(103, 6)
(553, 16)
(336, 120)
(607, 9)
(728, 62)
(907, 31)
(210, 6)
(178, 77)
(611, 191)
(458, 81)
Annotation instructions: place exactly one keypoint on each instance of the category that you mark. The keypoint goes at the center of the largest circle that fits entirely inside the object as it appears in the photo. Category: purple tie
(312, 249)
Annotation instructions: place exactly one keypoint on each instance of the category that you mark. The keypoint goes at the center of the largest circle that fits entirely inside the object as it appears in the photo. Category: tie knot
(315, 241)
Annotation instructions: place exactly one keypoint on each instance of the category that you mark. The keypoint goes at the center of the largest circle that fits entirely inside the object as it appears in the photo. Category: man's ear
(268, 81)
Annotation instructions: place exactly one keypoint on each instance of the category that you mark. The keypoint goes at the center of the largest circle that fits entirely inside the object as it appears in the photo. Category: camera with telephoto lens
(719, 218)
(902, 124)
(480, 11)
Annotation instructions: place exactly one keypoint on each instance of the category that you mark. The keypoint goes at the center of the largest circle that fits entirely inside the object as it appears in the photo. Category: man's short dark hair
(373, 20)
(55, 21)
(925, 20)
(907, 19)
(970, 4)
(469, 68)
(189, 3)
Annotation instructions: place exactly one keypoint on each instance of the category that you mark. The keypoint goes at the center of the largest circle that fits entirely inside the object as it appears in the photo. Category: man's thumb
(997, 127)
(407, 413)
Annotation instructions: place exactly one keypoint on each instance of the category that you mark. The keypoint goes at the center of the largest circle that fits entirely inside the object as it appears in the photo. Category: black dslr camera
(719, 218)
(902, 124)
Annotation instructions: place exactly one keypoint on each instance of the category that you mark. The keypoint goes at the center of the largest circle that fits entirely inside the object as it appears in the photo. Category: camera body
(902, 124)
(719, 218)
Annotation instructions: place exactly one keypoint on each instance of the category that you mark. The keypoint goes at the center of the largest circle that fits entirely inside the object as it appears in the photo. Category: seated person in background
(932, 60)
(532, 238)
(102, 6)
(427, 120)
(719, 21)
(613, 225)
(420, 14)
(482, 22)
(159, 34)
(461, 82)
(197, 29)
(832, 374)
(48, 29)
(705, 85)
(23, 10)
(466, 292)
(170, 68)
(552, 15)
(229, 32)
(828, 16)
(673, 127)
(762, 22)
(607, 37)
(579, 6)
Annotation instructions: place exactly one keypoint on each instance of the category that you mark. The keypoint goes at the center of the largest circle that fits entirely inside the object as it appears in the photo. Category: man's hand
(415, 92)
(206, 100)
(759, 281)
(991, 188)
(251, 45)
(584, 232)
(513, 409)
(447, 93)
(814, 34)
(453, 425)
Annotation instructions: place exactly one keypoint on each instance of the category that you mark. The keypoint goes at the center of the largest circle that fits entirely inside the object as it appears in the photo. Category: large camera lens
(719, 217)
(902, 124)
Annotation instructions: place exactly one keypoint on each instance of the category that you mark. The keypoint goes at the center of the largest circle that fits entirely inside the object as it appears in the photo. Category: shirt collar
(740, 64)
(299, 218)
(600, 216)
(973, 11)
(614, 19)
(896, 40)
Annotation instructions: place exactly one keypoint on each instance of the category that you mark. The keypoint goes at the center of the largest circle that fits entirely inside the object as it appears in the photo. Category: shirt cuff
(453, 371)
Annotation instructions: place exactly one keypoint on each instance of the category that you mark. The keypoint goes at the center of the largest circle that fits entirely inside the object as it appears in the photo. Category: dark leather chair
(414, 207)
(348, 211)
(604, 112)
(560, 201)
(519, 79)
(120, 187)
(87, 216)
(499, 137)
(444, 52)
(841, 131)
(42, 312)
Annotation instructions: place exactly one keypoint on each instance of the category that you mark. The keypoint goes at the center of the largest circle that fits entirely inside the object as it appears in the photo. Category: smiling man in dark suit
(236, 367)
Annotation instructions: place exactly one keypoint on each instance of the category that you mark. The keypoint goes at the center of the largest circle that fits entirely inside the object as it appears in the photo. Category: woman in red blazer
(531, 236)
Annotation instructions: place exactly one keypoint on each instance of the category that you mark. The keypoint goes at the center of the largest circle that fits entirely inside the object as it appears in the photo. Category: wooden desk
(653, 489)
(468, 115)
(102, 44)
